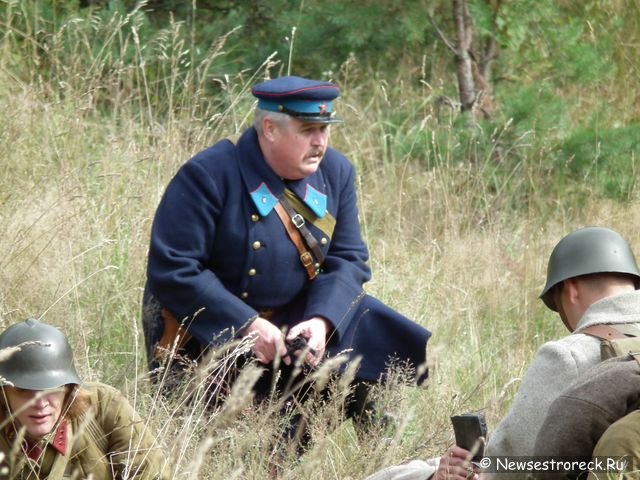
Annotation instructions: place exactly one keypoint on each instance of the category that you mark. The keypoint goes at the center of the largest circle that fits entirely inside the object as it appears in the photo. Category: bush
(608, 157)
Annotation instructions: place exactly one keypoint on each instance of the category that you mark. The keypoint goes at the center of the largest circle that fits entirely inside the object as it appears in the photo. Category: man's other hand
(315, 331)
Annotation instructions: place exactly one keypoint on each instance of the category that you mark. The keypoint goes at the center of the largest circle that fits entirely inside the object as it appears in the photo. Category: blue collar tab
(263, 199)
(316, 201)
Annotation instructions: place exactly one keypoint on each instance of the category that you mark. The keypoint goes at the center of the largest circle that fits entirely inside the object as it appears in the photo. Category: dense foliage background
(101, 101)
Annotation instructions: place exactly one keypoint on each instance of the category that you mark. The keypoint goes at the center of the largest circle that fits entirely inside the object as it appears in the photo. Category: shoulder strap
(306, 258)
(299, 222)
(604, 332)
(616, 340)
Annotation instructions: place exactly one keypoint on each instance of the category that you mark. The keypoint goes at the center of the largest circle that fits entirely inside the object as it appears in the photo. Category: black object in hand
(468, 428)
(297, 343)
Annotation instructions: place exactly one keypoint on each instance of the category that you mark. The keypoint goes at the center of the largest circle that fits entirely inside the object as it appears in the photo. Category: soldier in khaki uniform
(621, 440)
(52, 427)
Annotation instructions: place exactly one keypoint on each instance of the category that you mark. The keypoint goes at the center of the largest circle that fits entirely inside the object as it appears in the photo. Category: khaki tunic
(621, 440)
(109, 441)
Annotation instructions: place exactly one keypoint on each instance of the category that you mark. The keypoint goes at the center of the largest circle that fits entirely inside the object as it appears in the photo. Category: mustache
(316, 153)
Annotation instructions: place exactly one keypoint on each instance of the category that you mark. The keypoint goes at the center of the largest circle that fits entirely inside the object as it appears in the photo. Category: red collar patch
(59, 440)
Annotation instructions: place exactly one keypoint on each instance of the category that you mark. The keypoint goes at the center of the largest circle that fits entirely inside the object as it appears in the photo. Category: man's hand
(269, 341)
(315, 331)
(455, 464)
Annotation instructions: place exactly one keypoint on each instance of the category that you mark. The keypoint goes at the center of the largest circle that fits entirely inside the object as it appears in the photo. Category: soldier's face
(38, 411)
(298, 148)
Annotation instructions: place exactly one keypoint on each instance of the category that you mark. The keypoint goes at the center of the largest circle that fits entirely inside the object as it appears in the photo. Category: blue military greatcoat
(219, 254)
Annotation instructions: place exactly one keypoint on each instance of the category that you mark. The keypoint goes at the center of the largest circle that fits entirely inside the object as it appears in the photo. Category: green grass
(459, 226)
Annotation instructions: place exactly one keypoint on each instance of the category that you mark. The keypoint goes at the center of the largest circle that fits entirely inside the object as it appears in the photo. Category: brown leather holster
(174, 337)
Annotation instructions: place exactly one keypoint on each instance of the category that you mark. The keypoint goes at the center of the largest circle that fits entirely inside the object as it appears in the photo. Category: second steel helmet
(44, 359)
(585, 251)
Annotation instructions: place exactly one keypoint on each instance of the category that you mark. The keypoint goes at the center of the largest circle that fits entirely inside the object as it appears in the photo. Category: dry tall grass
(87, 152)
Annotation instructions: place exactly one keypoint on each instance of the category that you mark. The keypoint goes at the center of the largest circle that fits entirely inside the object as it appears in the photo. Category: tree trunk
(464, 36)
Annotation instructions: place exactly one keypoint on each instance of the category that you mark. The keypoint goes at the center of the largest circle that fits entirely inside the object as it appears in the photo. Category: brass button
(256, 245)
(324, 240)
(255, 217)
(252, 272)
(244, 294)
(316, 266)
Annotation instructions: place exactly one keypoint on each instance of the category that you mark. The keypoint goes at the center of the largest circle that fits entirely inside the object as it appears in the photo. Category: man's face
(297, 148)
(38, 411)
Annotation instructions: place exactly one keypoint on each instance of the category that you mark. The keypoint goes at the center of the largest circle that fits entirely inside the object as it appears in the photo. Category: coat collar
(620, 308)
(265, 187)
(58, 440)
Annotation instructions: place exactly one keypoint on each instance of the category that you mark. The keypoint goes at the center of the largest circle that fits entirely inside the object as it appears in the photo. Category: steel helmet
(44, 359)
(584, 251)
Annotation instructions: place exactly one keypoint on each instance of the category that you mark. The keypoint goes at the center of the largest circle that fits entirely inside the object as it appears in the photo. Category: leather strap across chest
(310, 264)
(300, 223)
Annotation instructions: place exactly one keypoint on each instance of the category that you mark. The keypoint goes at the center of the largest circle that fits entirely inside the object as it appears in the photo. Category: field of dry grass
(78, 190)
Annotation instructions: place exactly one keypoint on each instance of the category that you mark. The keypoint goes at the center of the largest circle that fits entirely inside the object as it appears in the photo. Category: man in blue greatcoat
(262, 238)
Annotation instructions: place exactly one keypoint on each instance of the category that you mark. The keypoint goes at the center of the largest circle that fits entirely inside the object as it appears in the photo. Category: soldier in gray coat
(592, 279)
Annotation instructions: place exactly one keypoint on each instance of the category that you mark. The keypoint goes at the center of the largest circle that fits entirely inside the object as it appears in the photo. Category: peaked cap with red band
(304, 99)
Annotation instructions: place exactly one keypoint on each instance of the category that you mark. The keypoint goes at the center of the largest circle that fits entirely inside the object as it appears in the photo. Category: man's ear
(571, 288)
(574, 296)
(269, 129)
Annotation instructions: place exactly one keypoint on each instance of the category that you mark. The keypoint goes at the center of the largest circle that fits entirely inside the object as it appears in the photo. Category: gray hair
(280, 119)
